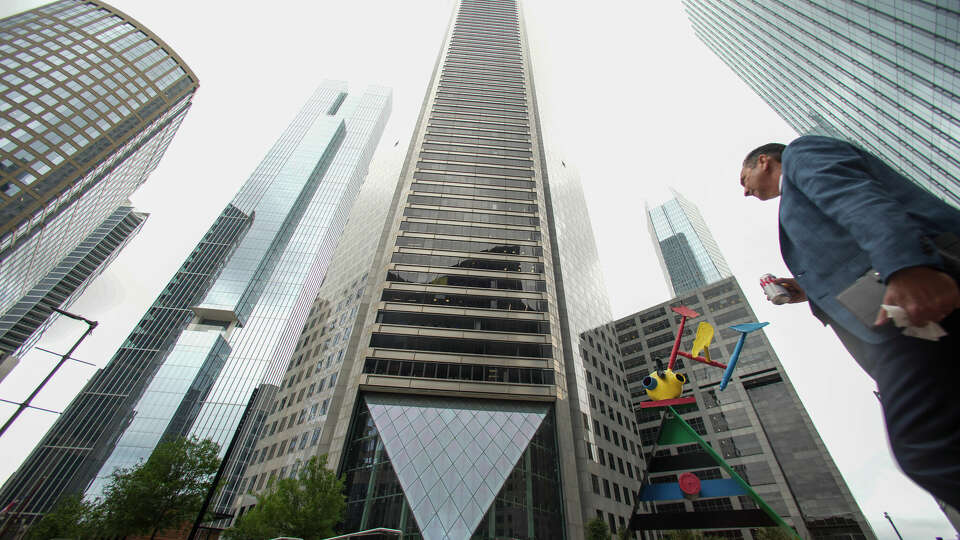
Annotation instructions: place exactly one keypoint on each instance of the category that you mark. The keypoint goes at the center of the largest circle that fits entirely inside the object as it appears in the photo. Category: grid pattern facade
(74, 448)
(884, 75)
(228, 321)
(757, 424)
(22, 325)
(688, 254)
(89, 101)
(485, 285)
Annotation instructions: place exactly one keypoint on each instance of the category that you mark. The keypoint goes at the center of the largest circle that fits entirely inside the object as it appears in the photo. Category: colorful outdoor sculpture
(665, 386)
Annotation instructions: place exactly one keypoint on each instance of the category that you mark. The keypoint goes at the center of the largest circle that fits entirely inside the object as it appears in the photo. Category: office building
(229, 318)
(687, 252)
(757, 424)
(462, 376)
(883, 75)
(89, 101)
(23, 323)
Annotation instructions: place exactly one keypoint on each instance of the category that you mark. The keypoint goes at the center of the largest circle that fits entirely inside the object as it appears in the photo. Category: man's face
(762, 180)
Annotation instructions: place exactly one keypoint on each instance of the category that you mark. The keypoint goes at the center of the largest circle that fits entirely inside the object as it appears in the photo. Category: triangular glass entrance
(452, 456)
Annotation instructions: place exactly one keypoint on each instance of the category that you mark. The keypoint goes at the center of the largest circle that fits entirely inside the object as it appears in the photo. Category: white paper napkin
(931, 331)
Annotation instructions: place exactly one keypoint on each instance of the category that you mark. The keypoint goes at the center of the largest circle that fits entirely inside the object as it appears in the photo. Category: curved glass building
(89, 101)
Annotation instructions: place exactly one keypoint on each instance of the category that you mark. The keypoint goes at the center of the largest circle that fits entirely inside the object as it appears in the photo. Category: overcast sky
(635, 101)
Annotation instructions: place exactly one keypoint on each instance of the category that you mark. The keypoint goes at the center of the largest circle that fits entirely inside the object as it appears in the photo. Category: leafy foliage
(684, 535)
(72, 517)
(305, 507)
(597, 529)
(164, 492)
(772, 533)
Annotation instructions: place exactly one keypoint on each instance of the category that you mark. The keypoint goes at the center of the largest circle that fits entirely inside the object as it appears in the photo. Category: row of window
(483, 82)
(461, 372)
(476, 158)
(478, 150)
(486, 324)
(463, 262)
(468, 230)
(461, 346)
(482, 90)
(479, 111)
(486, 181)
(475, 217)
(465, 245)
(474, 191)
(479, 169)
(478, 140)
(480, 103)
(454, 280)
(476, 204)
(464, 300)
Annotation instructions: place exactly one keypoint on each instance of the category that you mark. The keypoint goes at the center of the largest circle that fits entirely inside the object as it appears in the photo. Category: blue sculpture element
(744, 329)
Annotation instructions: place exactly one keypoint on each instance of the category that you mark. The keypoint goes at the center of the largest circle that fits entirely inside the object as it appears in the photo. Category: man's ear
(763, 161)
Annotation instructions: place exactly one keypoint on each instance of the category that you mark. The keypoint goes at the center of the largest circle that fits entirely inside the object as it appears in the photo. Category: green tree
(685, 534)
(305, 507)
(772, 533)
(164, 492)
(597, 529)
(72, 517)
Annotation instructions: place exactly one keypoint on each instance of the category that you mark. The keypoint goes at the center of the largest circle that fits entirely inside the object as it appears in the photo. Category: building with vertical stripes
(457, 367)
(686, 250)
(89, 102)
(228, 320)
(883, 75)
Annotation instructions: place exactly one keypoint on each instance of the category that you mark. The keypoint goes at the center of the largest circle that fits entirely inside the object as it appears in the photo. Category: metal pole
(26, 403)
(223, 465)
(886, 515)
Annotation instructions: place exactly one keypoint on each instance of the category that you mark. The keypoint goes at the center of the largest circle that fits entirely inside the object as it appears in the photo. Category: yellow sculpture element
(704, 337)
(664, 384)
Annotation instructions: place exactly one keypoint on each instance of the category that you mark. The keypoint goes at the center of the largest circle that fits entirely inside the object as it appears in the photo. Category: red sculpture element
(668, 402)
(702, 360)
(684, 312)
(689, 485)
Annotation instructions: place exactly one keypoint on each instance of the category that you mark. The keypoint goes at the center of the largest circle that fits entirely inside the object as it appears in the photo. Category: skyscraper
(687, 252)
(758, 423)
(89, 101)
(884, 75)
(229, 318)
(457, 367)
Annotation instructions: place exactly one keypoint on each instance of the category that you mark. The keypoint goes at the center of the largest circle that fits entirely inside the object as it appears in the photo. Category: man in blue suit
(842, 212)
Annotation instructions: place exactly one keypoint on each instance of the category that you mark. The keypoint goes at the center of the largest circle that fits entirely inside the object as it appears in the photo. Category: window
(596, 483)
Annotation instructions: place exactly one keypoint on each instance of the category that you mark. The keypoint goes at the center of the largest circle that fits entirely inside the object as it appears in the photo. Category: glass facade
(89, 102)
(688, 254)
(227, 322)
(22, 325)
(884, 75)
(397, 476)
(471, 278)
(758, 423)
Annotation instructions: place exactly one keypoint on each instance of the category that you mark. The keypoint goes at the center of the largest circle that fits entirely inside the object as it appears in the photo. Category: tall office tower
(89, 101)
(687, 252)
(757, 423)
(884, 75)
(228, 316)
(23, 323)
(459, 373)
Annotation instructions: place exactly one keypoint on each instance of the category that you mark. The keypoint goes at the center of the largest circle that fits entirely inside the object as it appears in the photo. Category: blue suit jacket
(843, 211)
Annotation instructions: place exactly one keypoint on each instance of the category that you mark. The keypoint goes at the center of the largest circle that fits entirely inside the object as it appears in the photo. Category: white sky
(637, 102)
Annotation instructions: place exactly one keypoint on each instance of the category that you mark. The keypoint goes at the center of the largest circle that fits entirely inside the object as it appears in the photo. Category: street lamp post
(26, 403)
(886, 515)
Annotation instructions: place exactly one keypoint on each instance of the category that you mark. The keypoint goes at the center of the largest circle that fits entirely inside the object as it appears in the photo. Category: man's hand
(926, 294)
(797, 294)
